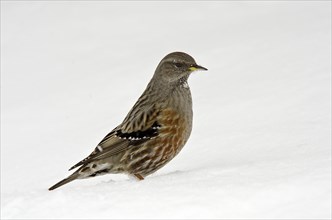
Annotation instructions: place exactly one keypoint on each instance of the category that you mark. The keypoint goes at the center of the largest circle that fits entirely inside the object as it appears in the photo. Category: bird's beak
(196, 67)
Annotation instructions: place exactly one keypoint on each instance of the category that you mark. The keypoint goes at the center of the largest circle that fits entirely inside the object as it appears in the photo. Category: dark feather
(65, 181)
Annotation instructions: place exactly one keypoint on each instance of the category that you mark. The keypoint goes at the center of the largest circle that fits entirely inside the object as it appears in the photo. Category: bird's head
(176, 66)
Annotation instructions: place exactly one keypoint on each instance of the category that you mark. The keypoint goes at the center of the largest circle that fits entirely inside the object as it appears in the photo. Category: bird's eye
(178, 65)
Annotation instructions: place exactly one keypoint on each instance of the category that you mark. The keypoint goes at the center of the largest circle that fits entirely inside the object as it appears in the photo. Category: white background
(261, 141)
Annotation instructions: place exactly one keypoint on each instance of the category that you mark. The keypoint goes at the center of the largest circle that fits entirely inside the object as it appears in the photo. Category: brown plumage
(153, 132)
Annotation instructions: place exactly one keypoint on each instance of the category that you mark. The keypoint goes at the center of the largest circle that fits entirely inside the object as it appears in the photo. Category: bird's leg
(139, 176)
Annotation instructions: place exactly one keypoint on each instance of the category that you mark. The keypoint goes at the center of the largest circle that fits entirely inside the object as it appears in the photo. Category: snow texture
(261, 140)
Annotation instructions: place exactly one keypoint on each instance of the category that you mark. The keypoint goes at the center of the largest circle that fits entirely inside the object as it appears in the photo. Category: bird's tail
(65, 181)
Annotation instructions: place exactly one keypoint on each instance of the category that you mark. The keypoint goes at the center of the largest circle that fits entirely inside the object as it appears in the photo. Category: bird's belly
(154, 154)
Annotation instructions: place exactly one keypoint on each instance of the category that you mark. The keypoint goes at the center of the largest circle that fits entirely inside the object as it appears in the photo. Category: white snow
(261, 140)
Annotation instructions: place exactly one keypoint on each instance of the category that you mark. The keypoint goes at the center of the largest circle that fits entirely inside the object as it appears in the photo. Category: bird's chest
(176, 117)
(175, 128)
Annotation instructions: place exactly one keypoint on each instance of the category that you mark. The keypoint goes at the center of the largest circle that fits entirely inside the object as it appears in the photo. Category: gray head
(176, 66)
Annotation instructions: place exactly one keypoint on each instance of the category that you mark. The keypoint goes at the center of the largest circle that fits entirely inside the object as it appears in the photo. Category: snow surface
(261, 141)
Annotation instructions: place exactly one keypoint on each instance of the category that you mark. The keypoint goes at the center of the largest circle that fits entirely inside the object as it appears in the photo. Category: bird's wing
(137, 128)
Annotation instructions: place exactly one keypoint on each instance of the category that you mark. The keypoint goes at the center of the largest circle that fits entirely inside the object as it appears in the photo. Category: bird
(153, 132)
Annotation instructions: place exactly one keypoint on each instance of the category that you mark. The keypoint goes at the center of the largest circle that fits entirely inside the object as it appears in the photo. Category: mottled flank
(154, 154)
